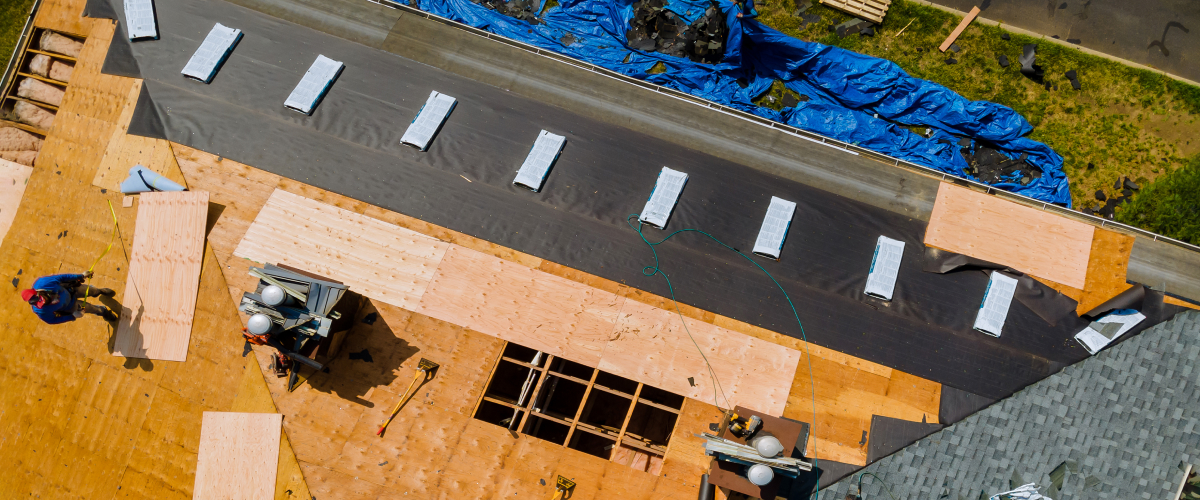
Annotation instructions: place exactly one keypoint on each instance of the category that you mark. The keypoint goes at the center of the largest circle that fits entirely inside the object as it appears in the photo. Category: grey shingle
(1127, 417)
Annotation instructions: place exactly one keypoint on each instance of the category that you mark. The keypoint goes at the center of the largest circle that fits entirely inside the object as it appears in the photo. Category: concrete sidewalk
(1161, 34)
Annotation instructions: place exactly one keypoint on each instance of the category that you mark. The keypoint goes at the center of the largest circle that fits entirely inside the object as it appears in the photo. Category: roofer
(55, 298)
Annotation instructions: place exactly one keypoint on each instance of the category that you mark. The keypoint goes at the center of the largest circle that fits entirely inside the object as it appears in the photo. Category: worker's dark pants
(87, 308)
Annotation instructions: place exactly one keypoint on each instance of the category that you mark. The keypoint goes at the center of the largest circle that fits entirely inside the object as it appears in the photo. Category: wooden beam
(587, 391)
(533, 394)
(52, 54)
(958, 31)
(42, 78)
(488, 381)
(628, 414)
(23, 126)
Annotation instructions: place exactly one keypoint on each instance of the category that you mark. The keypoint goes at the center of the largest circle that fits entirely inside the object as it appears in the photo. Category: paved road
(1163, 34)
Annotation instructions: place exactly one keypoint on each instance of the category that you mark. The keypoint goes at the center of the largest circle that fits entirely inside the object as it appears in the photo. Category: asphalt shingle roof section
(1122, 421)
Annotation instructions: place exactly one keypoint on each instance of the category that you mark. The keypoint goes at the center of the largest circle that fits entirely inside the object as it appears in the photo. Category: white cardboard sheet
(662, 200)
(212, 53)
(541, 157)
(139, 19)
(314, 85)
(1095, 337)
(431, 116)
(996, 300)
(774, 228)
(885, 268)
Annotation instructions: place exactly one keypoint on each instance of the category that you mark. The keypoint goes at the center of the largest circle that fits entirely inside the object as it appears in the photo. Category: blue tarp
(854, 98)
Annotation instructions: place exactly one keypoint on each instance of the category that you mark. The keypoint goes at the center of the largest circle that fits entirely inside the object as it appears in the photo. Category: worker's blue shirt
(63, 310)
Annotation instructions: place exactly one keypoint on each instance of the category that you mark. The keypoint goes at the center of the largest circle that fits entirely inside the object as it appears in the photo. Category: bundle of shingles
(654, 28)
(990, 166)
(525, 10)
(1123, 190)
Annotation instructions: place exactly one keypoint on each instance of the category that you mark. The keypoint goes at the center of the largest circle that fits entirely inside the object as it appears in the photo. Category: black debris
(15, 282)
(692, 381)
(1028, 60)
(1074, 78)
(525, 10)
(951, 60)
(1088, 211)
(1117, 185)
(742, 83)
(654, 28)
(804, 98)
(363, 355)
(370, 318)
(1075, 41)
(1128, 185)
(802, 6)
(1056, 86)
(542, 481)
(1060, 7)
(807, 19)
(103, 191)
(991, 166)
(920, 49)
(567, 39)
(1003, 59)
(853, 26)
(789, 100)
(1005, 37)
(1100, 196)
(19, 271)
(964, 142)
(714, 427)
(954, 47)
(1090, 166)
(1049, 85)
(867, 32)
(1055, 37)
(247, 349)
(1127, 193)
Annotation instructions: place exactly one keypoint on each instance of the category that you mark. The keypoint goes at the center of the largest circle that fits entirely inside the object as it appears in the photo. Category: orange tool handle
(403, 399)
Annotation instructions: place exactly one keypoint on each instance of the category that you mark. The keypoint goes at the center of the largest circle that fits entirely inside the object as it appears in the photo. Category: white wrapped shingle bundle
(212, 53)
(315, 84)
(541, 157)
(662, 200)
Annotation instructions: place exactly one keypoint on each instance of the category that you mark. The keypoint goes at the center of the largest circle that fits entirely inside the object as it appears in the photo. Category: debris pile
(525, 10)
(991, 166)
(1123, 190)
(653, 27)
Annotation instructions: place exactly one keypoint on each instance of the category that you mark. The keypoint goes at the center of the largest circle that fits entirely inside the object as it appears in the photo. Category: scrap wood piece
(13, 178)
(1032, 241)
(958, 31)
(238, 456)
(1107, 266)
(871, 10)
(373, 258)
(164, 276)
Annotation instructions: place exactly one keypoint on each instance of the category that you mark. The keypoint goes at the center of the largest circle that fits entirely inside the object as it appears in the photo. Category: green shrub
(1170, 205)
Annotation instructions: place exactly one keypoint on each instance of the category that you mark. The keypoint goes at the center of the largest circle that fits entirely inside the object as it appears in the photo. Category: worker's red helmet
(31, 296)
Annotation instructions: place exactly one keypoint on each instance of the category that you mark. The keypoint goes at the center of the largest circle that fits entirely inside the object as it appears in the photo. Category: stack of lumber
(871, 10)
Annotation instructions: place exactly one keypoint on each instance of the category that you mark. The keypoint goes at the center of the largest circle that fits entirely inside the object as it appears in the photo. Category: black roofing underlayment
(351, 146)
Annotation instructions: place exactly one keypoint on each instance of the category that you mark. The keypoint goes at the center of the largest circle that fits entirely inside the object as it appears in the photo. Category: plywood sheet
(1106, 269)
(164, 274)
(239, 456)
(652, 346)
(522, 305)
(1032, 241)
(375, 259)
(13, 178)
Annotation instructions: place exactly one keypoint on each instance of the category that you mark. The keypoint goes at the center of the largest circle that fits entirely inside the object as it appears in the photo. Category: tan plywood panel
(378, 260)
(13, 177)
(164, 276)
(652, 346)
(1032, 241)
(522, 305)
(238, 457)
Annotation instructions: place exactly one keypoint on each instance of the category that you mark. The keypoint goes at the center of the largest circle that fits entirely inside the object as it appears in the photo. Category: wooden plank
(23, 126)
(52, 54)
(966, 21)
(13, 178)
(239, 456)
(1107, 266)
(164, 271)
(651, 346)
(376, 259)
(521, 305)
(1029, 240)
(34, 102)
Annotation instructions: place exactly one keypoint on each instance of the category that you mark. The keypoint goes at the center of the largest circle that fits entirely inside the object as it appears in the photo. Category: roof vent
(537, 165)
(212, 53)
(429, 119)
(662, 200)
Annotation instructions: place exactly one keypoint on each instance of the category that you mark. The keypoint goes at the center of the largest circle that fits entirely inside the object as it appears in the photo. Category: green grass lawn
(12, 20)
(1124, 121)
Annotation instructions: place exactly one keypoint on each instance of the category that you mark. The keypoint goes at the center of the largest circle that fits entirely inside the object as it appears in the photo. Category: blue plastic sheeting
(854, 98)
